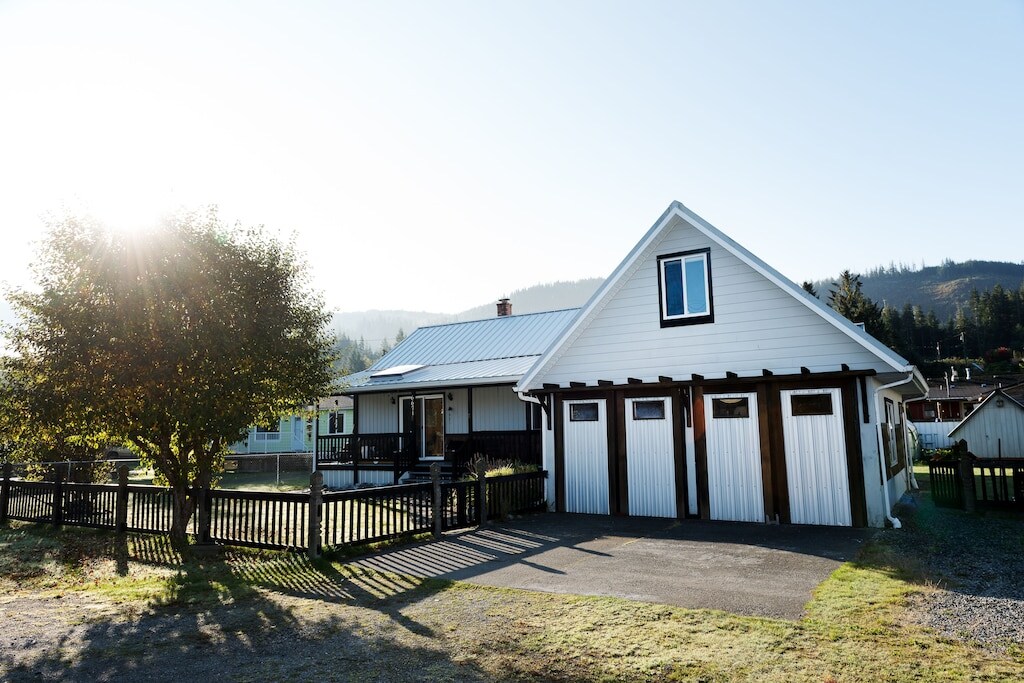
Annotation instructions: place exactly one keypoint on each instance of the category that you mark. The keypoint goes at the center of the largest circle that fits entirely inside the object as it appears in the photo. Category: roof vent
(504, 307)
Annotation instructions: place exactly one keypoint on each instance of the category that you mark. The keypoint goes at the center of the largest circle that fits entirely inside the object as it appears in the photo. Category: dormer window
(684, 283)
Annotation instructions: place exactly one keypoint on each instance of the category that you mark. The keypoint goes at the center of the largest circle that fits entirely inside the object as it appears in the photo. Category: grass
(243, 481)
(855, 628)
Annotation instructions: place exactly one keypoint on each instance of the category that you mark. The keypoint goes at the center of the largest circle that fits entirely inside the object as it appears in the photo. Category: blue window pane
(696, 293)
(674, 288)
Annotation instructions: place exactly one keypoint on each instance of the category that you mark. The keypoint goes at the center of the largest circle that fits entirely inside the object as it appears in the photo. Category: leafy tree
(172, 342)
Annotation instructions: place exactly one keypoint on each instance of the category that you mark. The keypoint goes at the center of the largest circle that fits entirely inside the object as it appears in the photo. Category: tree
(172, 343)
(808, 287)
(847, 300)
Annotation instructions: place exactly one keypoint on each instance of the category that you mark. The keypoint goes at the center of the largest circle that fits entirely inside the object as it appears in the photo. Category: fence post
(967, 479)
(481, 492)
(435, 480)
(316, 499)
(5, 492)
(58, 498)
(121, 504)
(204, 506)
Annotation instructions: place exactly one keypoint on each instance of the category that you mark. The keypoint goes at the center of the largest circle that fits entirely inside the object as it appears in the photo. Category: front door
(816, 471)
(650, 457)
(733, 446)
(422, 425)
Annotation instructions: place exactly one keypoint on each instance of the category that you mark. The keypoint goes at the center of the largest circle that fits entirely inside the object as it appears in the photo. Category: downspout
(896, 524)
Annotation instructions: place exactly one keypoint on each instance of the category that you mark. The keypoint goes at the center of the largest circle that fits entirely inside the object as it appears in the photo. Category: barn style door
(816, 470)
(585, 441)
(650, 457)
(733, 448)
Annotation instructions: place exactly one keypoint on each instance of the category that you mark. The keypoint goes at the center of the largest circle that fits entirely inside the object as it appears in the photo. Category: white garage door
(734, 457)
(650, 457)
(816, 470)
(585, 440)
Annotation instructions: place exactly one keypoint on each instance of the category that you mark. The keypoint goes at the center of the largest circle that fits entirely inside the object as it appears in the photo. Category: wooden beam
(604, 382)
(664, 380)
(634, 380)
(550, 387)
(844, 367)
(730, 374)
(577, 385)
(697, 378)
(804, 371)
(767, 373)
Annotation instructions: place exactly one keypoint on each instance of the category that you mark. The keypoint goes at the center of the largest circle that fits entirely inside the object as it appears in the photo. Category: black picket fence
(310, 521)
(996, 483)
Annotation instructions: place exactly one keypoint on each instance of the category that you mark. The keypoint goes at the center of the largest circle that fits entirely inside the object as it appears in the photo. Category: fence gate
(585, 437)
(816, 470)
(650, 457)
(733, 446)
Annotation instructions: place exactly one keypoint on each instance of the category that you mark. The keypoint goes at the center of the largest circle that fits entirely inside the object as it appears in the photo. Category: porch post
(58, 499)
(121, 502)
(435, 480)
(5, 492)
(316, 498)
(481, 492)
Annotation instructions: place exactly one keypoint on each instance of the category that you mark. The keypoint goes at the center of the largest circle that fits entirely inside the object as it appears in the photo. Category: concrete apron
(751, 569)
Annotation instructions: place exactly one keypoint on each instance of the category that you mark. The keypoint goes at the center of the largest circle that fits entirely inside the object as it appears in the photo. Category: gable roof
(493, 350)
(672, 217)
(998, 392)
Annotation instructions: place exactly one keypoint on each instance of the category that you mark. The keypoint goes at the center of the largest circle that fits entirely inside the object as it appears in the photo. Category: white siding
(342, 479)
(992, 431)
(818, 479)
(691, 471)
(497, 409)
(735, 490)
(757, 325)
(935, 434)
(457, 412)
(586, 461)
(377, 415)
(548, 458)
(650, 463)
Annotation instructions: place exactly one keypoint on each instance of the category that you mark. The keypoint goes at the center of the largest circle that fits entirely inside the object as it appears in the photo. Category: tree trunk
(182, 514)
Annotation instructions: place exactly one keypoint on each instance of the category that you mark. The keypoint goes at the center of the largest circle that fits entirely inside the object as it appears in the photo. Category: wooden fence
(310, 521)
(971, 483)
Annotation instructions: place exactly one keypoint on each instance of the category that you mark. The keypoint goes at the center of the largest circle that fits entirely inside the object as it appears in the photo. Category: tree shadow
(245, 615)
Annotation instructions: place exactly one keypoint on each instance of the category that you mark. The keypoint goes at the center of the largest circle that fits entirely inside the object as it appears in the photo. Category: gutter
(896, 524)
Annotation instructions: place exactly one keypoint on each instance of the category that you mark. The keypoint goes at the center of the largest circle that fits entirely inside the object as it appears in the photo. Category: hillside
(939, 288)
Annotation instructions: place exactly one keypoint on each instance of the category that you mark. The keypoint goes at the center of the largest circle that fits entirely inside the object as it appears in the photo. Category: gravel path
(977, 565)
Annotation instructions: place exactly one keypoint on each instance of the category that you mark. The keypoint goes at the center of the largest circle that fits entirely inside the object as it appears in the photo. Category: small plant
(498, 467)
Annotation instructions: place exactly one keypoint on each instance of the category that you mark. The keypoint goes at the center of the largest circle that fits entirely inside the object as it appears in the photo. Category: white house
(995, 429)
(699, 382)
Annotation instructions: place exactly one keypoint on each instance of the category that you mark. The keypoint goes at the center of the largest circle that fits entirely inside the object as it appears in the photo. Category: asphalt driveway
(751, 569)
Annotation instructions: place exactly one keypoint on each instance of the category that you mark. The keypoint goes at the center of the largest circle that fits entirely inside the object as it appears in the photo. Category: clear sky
(435, 155)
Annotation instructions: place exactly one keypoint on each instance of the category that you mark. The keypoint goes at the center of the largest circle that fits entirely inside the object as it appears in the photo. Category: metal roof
(496, 349)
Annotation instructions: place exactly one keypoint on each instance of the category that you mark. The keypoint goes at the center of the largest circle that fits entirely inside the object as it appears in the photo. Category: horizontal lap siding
(757, 325)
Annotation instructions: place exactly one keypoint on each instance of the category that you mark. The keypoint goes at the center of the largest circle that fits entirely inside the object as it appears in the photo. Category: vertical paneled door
(816, 470)
(733, 447)
(650, 457)
(585, 438)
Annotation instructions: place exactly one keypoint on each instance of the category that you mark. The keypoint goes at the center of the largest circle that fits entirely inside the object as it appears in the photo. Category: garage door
(650, 457)
(585, 440)
(816, 470)
(733, 447)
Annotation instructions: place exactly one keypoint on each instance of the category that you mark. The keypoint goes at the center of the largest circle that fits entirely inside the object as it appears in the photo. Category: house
(699, 382)
(995, 429)
(443, 394)
(294, 433)
(950, 401)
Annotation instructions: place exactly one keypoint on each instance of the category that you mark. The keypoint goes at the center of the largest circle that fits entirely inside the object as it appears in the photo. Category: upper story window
(684, 281)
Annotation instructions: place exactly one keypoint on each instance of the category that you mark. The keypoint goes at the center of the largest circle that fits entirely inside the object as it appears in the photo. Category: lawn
(287, 480)
(85, 605)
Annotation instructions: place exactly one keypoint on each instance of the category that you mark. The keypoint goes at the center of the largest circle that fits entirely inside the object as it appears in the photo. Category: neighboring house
(294, 433)
(948, 403)
(699, 382)
(443, 394)
(995, 429)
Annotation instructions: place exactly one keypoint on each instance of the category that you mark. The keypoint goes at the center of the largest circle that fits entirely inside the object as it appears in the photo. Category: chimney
(504, 308)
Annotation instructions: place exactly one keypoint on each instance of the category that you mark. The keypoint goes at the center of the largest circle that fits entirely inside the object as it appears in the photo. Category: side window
(684, 281)
(726, 408)
(583, 412)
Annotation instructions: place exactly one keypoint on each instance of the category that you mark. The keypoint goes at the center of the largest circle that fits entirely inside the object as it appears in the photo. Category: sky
(437, 155)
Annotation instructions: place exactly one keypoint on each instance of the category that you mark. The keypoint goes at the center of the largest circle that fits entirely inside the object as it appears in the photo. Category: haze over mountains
(940, 288)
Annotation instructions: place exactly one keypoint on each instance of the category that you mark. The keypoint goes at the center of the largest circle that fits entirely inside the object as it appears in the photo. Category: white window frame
(687, 317)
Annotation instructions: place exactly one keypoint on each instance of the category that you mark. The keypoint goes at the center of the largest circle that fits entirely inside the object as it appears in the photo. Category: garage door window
(811, 404)
(730, 407)
(648, 410)
(583, 412)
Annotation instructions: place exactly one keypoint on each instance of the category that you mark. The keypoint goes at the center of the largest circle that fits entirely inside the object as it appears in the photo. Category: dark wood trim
(634, 380)
(355, 415)
(664, 380)
(730, 383)
(854, 457)
(700, 449)
(550, 387)
(764, 429)
(865, 407)
(618, 468)
(679, 442)
(556, 411)
(577, 385)
(469, 409)
(778, 452)
(604, 383)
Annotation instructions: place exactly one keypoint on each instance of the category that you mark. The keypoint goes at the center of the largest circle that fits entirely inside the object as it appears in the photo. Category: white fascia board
(678, 210)
(439, 384)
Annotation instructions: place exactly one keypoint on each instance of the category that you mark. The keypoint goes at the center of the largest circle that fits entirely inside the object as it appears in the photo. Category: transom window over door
(684, 283)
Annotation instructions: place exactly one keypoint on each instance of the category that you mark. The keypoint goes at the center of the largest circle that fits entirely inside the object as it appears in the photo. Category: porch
(402, 454)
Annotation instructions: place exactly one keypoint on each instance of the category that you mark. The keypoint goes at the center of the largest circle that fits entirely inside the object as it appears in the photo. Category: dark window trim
(805, 413)
(690, 320)
(661, 402)
(741, 399)
(572, 410)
